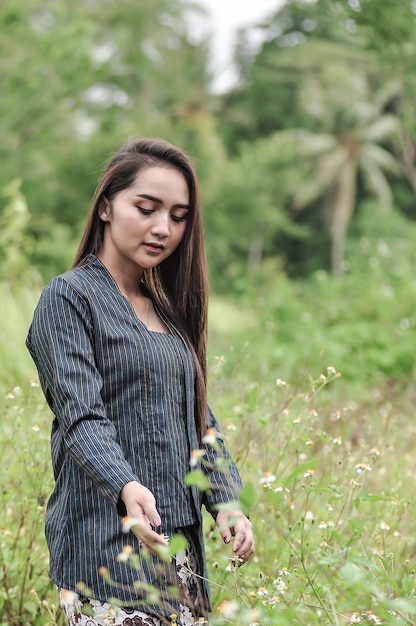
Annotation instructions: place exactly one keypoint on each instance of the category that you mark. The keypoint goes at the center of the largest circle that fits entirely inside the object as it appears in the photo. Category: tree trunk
(409, 159)
(255, 254)
(341, 210)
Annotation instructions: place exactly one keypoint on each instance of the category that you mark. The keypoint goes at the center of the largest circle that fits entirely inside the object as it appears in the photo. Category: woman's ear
(104, 210)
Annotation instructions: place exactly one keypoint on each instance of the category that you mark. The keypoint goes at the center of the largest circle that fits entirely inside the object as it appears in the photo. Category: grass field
(314, 386)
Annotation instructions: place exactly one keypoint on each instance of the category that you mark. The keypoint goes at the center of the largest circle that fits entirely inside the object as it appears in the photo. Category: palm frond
(377, 183)
(310, 144)
(382, 128)
(382, 158)
(327, 171)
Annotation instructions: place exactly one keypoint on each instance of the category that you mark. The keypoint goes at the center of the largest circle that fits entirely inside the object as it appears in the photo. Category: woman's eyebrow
(159, 201)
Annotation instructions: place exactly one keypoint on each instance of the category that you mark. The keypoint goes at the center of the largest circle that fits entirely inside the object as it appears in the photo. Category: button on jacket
(122, 399)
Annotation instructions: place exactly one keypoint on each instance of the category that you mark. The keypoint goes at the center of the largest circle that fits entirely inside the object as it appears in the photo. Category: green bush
(26, 596)
(333, 514)
(365, 323)
(328, 458)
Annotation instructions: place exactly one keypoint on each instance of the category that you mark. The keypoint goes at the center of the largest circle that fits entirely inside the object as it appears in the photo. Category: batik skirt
(100, 613)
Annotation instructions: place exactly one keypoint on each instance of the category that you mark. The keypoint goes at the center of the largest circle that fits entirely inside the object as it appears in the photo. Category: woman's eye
(145, 211)
(178, 218)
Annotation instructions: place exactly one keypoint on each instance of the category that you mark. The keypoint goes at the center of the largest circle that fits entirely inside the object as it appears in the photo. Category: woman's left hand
(235, 524)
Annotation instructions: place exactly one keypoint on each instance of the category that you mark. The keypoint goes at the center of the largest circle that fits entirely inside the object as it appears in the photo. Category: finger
(243, 557)
(152, 548)
(223, 527)
(246, 546)
(150, 540)
(249, 552)
(244, 540)
(226, 535)
(141, 526)
(150, 511)
(242, 536)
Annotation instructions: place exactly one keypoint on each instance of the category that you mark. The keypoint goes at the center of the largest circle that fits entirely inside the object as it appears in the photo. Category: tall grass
(314, 388)
(16, 309)
(334, 517)
(26, 596)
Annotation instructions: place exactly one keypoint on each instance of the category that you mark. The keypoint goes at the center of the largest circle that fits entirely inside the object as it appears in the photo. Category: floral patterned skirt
(104, 614)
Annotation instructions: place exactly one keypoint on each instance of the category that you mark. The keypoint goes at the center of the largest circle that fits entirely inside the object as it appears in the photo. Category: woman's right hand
(140, 505)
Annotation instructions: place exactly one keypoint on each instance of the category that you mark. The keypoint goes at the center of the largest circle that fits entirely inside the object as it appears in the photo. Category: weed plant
(365, 323)
(332, 493)
(314, 389)
(334, 517)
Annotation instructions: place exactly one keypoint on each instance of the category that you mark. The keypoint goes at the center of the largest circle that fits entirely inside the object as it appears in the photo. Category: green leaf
(358, 525)
(252, 397)
(330, 559)
(164, 553)
(368, 497)
(234, 505)
(247, 498)
(88, 610)
(177, 544)
(198, 479)
(403, 605)
(352, 574)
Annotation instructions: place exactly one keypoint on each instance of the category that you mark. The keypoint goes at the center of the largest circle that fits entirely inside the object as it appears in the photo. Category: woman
(119, 343)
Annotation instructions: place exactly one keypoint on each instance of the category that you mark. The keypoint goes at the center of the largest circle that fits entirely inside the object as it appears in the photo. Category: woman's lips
(154, 247)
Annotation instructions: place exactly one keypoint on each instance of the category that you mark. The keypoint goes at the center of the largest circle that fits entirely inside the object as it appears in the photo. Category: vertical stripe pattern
(122, 400)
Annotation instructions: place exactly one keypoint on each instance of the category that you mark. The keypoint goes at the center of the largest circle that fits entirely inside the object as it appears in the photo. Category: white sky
(225, 18)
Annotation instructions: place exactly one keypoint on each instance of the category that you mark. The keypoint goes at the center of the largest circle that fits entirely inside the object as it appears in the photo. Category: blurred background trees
(337, 77)
(320, 125)
(77, 79)
(307, 168)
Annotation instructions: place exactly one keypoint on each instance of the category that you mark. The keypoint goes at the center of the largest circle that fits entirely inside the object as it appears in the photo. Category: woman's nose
(160, 225)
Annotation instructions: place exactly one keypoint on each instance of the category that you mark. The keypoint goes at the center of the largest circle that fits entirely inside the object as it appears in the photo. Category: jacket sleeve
(61, 342)
(221, 470)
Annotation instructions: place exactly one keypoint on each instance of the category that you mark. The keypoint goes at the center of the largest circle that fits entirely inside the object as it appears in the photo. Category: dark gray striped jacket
(123, 404)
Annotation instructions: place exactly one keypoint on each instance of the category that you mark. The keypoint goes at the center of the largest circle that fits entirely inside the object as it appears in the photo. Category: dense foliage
(321, 120)
(307, 168)
(77, 79)
(313, 383)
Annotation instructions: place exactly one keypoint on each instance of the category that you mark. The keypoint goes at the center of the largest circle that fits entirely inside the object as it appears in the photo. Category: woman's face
(145, 223)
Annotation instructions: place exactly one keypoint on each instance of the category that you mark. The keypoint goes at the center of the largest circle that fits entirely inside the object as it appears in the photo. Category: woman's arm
(61, 341)
(225, 484)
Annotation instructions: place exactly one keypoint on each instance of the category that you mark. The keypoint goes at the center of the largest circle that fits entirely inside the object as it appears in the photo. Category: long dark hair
(179, 285)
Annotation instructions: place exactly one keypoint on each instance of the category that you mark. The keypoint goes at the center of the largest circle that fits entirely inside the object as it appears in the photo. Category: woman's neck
(127, 281)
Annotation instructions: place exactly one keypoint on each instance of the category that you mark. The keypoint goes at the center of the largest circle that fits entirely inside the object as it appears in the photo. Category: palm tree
(350, 131)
